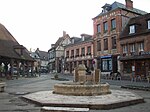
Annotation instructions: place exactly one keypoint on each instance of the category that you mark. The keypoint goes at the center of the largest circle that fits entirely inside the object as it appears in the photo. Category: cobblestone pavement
(10, 100)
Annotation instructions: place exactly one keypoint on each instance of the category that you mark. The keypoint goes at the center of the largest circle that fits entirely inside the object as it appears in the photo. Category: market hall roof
(10, 48)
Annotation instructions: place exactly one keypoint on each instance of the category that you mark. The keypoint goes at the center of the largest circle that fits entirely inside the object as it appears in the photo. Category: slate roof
(140, 23)
(8, 44)
(117, 5)
(42, 54)
(78, 40)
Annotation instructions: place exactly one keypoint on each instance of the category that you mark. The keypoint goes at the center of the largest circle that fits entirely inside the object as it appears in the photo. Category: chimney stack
(64, 33)
(129, 4)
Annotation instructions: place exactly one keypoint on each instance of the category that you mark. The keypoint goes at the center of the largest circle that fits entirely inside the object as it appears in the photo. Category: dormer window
(83, 38)
(72, 41)
(132, 29)
(148, 24)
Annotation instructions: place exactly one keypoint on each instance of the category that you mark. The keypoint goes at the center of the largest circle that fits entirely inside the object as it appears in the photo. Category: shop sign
(145, 53)
(107, 56)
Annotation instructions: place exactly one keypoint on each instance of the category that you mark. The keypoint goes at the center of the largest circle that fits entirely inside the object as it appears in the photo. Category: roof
(78, 40)
(59, 41)
(42, 54)
(8, 44)
(117, 5)
(140, 23)
(34, 55)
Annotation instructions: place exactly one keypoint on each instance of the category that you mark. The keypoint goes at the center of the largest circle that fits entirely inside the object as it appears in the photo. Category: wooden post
(76, 75)
(96, 76)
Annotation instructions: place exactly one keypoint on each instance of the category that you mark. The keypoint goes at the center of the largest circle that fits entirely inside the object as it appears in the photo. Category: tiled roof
(116, 5)
(8, 44)
(140, 23)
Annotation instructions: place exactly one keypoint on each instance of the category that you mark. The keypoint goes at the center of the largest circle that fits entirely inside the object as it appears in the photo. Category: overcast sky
(39, 23)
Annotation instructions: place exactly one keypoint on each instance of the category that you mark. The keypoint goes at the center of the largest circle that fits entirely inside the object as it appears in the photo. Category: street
(10, 100)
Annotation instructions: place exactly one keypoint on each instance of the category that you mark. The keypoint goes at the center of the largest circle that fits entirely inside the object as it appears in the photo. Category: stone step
(2, 86)
(63, 109)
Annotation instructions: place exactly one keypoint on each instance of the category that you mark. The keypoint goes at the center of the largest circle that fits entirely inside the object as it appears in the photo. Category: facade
(79, 51)
(13, 56)
(135, 48)
(43, 64)
(107, 28)
(41, 60)
(56, 53)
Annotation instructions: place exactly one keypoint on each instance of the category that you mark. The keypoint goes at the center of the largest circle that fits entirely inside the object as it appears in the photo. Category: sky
(39, 23)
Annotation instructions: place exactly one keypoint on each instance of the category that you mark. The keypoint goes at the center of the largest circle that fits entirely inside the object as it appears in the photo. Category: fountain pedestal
(83, 85)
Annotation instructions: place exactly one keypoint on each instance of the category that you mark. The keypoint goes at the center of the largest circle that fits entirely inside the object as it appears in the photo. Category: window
(98, 45)
(72, 53)
(148, 24)
(107, 64)
(89, 49)
(132, 29)
(83, 51)
(113, 24)
(98, 28)
(141, 46)
(67, 54)
(114, 44)
(132, 48)
(77, 52)
(106, 44)
(125, 48)
(105, 26)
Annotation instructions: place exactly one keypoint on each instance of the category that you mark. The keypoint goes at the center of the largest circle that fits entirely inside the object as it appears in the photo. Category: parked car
(15, 70)
(43, 70)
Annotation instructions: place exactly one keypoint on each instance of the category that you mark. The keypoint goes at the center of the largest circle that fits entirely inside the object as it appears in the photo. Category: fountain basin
(81, 90)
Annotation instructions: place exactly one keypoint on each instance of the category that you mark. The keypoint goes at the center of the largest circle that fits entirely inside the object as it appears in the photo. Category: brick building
(79, 51)
(107, 28)
(135, 48)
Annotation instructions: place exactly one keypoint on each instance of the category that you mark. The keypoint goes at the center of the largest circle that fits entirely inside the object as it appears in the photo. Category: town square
(107, 69)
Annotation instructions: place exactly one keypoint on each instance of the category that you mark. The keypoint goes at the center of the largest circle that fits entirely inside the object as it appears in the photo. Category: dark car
(43, 70)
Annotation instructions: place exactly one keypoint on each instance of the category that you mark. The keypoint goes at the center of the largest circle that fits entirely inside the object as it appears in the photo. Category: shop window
(107, 64)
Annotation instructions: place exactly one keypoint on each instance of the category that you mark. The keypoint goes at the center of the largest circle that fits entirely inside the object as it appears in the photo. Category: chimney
(129, 4)
(64, 33)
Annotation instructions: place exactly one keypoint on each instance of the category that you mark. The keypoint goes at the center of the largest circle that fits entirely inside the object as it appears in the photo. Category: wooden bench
(2, 86)
(63, 109)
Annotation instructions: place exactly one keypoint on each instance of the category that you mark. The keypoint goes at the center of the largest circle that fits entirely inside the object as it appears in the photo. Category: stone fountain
(84, 84)
(85, 91)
